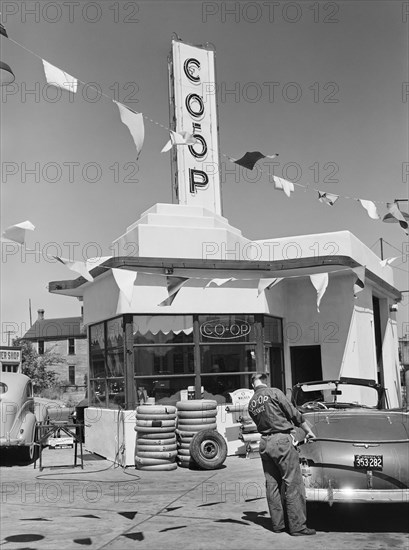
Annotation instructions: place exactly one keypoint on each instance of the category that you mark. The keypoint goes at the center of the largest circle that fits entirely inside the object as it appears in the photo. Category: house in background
(67, 337)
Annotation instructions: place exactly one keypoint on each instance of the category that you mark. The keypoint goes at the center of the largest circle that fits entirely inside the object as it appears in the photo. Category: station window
(71, 374)
(71, 346)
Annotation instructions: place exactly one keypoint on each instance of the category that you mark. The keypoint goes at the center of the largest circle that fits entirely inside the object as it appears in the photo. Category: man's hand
(309, 434)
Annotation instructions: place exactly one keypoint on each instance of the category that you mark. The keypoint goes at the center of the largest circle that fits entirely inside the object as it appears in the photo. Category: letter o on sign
(194, 105)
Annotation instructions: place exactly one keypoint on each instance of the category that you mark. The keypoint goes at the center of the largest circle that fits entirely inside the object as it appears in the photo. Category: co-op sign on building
(194, 110)
(223, 330)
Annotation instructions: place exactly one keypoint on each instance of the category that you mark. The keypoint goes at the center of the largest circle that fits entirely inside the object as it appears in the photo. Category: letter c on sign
(191, 68)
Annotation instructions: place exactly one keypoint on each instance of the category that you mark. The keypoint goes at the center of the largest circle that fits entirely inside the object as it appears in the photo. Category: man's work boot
(303, 532)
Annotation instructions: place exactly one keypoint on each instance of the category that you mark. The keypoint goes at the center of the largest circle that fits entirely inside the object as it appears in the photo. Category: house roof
(56, 329)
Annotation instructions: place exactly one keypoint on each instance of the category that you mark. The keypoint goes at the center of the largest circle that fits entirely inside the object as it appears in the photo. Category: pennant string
(231, 159)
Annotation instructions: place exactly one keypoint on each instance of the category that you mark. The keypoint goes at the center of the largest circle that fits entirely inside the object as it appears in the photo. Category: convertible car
(361, 453)
(17, 418)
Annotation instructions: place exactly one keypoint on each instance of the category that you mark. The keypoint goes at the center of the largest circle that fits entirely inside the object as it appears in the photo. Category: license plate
(368, 462)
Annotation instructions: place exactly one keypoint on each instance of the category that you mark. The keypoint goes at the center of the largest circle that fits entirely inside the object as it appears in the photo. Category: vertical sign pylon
(193, 110)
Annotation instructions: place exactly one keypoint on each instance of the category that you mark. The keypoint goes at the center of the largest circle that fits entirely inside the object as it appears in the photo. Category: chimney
(40, 314)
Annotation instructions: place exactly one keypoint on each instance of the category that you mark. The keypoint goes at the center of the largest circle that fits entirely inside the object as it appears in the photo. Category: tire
(196, 427)
(27, 453)
(185, 440)
(193, 421)
(155, 416)
(156, 436)
(143, 461)
(156, 442)
(156, 423)
(155, 409)
(184, 445)
(170, 466)
(162, 455)
(185, 459)
(152, 430)
(197, 405)
(183, 452)
(185, 436)
(189, 415)
(208, 449)
(155, 448)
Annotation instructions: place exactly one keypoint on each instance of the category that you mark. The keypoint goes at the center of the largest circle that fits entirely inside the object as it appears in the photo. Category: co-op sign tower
(193, 109)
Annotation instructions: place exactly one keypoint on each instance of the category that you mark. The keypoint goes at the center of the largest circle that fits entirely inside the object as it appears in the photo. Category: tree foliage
(38, 367)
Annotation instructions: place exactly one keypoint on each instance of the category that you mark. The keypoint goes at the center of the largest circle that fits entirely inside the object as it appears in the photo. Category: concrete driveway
(106, 507)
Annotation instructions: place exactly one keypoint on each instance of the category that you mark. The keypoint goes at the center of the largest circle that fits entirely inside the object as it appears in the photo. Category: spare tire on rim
(208, 449)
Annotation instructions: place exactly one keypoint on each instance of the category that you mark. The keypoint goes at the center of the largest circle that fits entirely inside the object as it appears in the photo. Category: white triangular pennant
(78, 267)
(359, 283)
(174, 284)
(265, 284)
(370, 208)
(397, 214)
(125, 279)
(17, 232)
(134, 122)
(219, 282)
(320, 282)
(284, 185)
(327, 198)
(59, 78)
(182, 138)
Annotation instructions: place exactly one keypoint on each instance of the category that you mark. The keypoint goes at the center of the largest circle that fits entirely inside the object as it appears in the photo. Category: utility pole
(8, 332)
(29, 310)
(381, 241)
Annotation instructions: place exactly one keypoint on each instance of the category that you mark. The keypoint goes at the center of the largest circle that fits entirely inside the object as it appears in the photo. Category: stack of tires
(194, 416)
(155, 447)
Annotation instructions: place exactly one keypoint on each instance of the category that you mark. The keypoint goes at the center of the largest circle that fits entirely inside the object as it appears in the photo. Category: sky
(321, 83)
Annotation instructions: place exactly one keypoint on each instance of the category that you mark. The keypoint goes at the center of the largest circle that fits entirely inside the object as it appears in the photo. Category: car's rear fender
(18, 422)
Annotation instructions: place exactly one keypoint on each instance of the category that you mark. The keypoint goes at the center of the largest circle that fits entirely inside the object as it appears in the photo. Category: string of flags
(125, 278)
(134, 122)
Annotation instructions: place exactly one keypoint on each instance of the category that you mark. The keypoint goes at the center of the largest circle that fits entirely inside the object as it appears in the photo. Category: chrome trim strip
(358, 495)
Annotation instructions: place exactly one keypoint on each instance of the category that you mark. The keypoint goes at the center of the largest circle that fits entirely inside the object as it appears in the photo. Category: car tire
(144, 461)
(189, 415)
(154, 435)
(155, 442)
(193, 428)
(208, 449)
(163, 455)
(197, 405)
(155, 468)
(155, 448)
(154, 431)
(154, 423)
(155, 416)
(155, 409)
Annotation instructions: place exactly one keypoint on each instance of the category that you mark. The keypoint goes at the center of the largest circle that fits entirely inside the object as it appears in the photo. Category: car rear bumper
(357, 495)
(11, 442)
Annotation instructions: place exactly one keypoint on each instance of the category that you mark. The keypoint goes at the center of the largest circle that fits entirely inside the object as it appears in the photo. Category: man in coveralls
(275, 417)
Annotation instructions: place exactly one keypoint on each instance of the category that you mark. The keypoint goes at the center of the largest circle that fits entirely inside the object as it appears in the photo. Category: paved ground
(105, 507)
